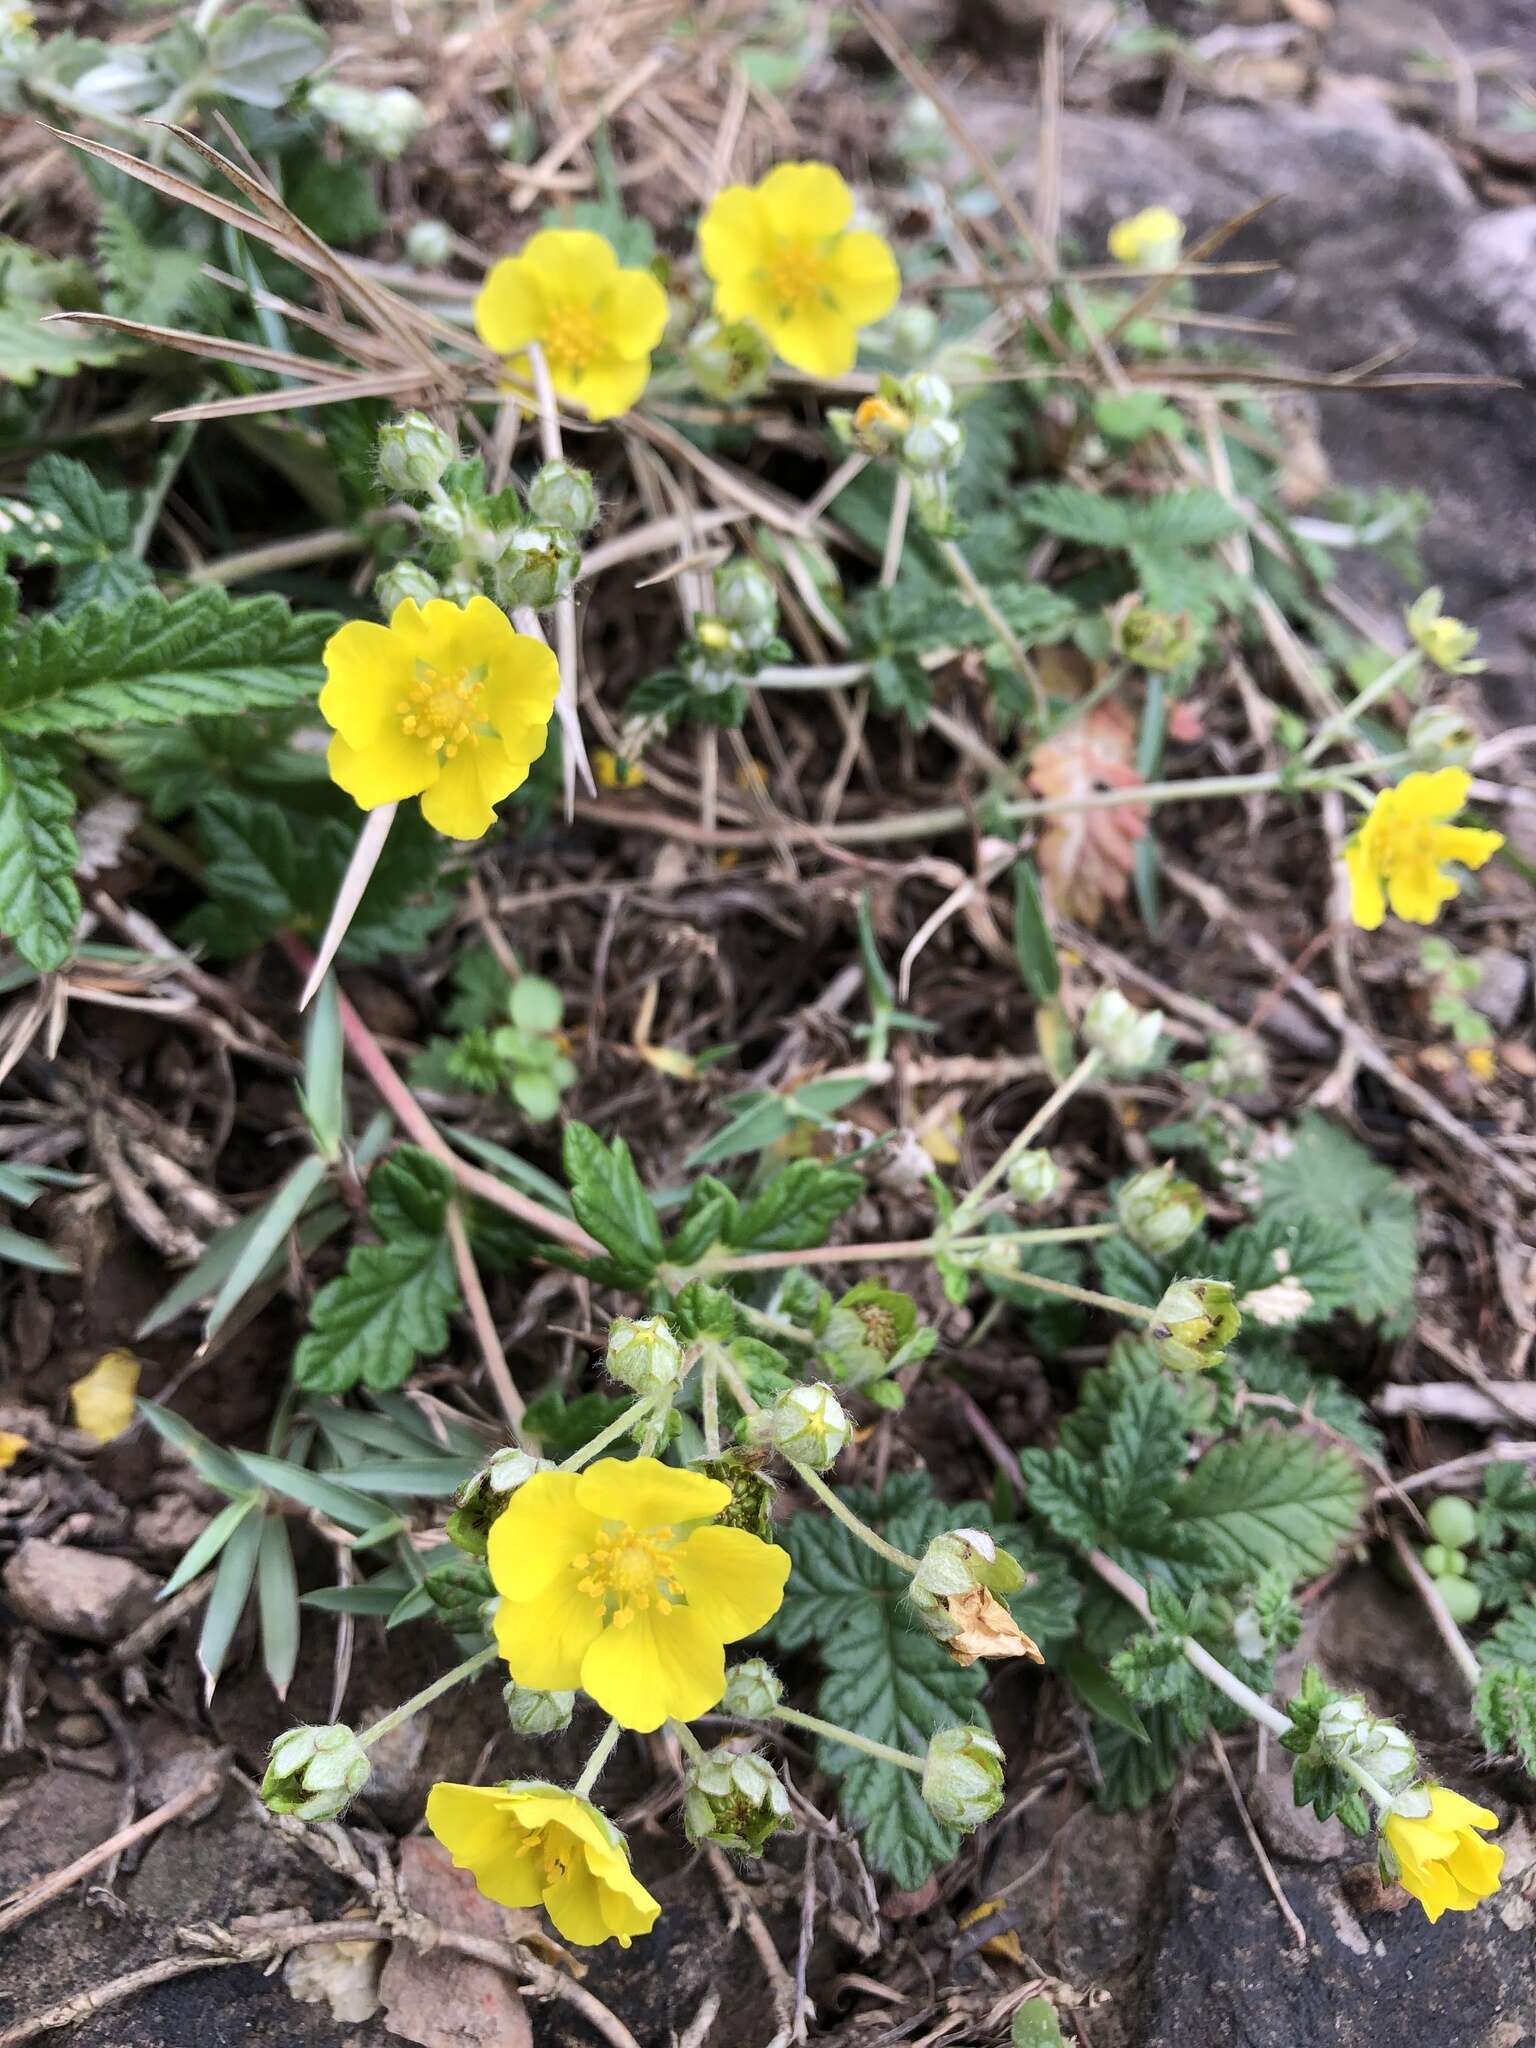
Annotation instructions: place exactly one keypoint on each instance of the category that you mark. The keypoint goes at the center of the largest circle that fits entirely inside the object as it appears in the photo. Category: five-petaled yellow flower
(443, 703)
(1448, 642)
(618, 1580)
(1396, 856)
(782, 255)
(1151, 239)
(597, 324)
(531, 1844)
(1441, 1859)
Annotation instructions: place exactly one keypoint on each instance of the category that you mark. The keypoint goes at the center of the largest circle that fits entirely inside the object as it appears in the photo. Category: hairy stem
(1084, 1071)
(856, 1526)
(592, 1769)
(427, 1695)
(814, 1725)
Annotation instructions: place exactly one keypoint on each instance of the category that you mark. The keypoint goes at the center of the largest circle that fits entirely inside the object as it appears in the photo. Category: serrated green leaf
(258, 56)
(369, 1326)
(1075, 514)
(1135, 1772)
(1505, 1703)
(1272, 1499)
(560, 1427)
(1267, 1369)
(610, 1200)
(153, 660)
(39, 903)
(1326, 1176)
(409, 1193)
(78, 526)
(796, 1208)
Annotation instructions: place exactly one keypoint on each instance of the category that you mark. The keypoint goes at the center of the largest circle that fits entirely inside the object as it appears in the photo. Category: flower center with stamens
(631, 1570)
(573, 338)
(1405, 843)
(443, 707)
(795, 275)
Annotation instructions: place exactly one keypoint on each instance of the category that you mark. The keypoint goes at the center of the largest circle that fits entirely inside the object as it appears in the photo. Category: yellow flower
(11, 1448)
(443, 703)
(1150, 240)
(596, 323)
(531, 1844)
(1482, 1062)
(615, 1580)
(102, 1399)
(612, 772)
(781, 254)
(1396, 855)
(1445, 640)
(1440, 1857)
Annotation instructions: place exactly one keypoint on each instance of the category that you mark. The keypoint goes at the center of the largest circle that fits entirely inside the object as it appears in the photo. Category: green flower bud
(875, 427)
(932, 446)
(1435, 1559)
(1440, 736)
(715, 659)
(963, 1777)
(729, 360)
(1348, 1728)
(747, 601)
(404, 580)
(383, 123)
(481, 1499)
(1238, 1065)
(644, 1354)
(537, 1713)
(734, 1799)
(930, 396)
(752, 1689)
(413, 453)
(752, 1491)
(1452, 1521)
(1127, 1037)
(1196, 1321)
(428, 244)
(1034, 1177)
(1158, 1212)
(443, 520)
(537, 565)
(315, 1773)
(460, 1591)
(565, 496)
(911, 332)
(958, 1590)
(1463, 1601)
(1153, 639)
(808, 1425)
(1444, 640)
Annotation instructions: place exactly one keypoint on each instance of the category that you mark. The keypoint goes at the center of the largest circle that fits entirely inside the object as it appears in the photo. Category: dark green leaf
(39, 903)
(610, 1201)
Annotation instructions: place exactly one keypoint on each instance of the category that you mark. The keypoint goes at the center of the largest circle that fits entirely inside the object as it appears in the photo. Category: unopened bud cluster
(315, 1773)
(644, 1355)
(1346, 1728)
(729, 360)
(911, 422)
(962, 1780)
(734, 1798)
(1158, 1212)
(1034, 1177)
(752, 1689)
(385, 124)
(730, 644)
(1127, 1038)
(537, 1713)
(1195, 1322)
(1153, 639)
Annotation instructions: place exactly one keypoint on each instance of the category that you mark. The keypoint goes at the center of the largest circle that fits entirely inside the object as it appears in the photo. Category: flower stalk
(592, 1769)
(854, 1524)
(814, 1725)
(426, 1696)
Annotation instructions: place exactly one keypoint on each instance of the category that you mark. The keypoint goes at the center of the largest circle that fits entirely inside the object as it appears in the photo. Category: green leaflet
(1505, 1703)
(1328, 1178)
(78, 526)
(39, 903)
(1272, 1499)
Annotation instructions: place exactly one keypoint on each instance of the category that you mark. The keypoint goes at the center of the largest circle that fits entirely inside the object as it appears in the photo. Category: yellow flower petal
(815, 338)
(532, 1845)
(663, 1667)
(1467, 845)
(1441, 1860)
(865, 281)
(544, 1640)
(11, 1448)
(646, 1494)
(734, 234)
(570, 263)
(392, 767)
(535, 1538)
(455, 803)
(366, 668)
(1416, 893)
(510, 306)
(102, 1401)
(1440, 793)
(471, 1822)
(805, 202)
(634, 307)
(734, 1581)
(604, 388)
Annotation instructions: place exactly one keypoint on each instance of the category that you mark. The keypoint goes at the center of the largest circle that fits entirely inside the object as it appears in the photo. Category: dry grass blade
(220, 348)
(393, 386)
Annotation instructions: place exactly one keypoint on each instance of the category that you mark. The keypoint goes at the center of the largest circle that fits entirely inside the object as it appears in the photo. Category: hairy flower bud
(315, 1773)
(1447, 642)
(428, 244)
(383, 123)
(911, 332)
(1196, 1321)
(562, 495)
(537, 566)
(1127, 1037)
(963, 1777)
(932, 445)
(809, 1426)
(955, 1592)
(537, 1713)
(1158, 1212)
(1150, 638)
(752, 1689)
(482, 1498)
(728, 359)
(735, 1799)
(1238, 1065)
(876, 425)
(1348, 1728)
(715, 659)
(1034, 1177)
(404, 580)
(443, 520)
(1440, 736)
(747, 601)
(413, 453)
(644, 1354)
(930, 396)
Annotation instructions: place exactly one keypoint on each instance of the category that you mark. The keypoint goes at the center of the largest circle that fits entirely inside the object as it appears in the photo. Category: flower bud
(538, 565)
(747, 601)
(930, 396)
(877, 425)
(1452, 1521)
(1463, 1601)
(1238, 1065)
(537, 1713)
(460, 1591)
(954, 1591)
(404, 580)
(413, 453)
(1440, 736)
(1126, 1036)
(445, 521)
(734, 1799)
(809, 1426)
(428, 244)
(565, 496)
(1196, 1321)
(1150, 638)
(932, 445)
(911, 332)
(714, 660)
(482, 1498)
(751, 1503)
(384, 123)
(1157, 1212)
(1348, 1728)
(963, 1777)
(315, 1773)
(728, 359)
(752, 1689)
(644, 1354)
(1034, 1177)
(1447, 642)
(1149, 240)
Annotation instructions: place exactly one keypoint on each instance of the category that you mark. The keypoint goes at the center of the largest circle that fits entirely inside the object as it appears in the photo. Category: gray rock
(1500, 992)
(77, 1592)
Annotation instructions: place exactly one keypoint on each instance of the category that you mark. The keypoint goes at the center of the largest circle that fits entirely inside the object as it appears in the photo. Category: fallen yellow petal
(11, 1448)
(103, 1400)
